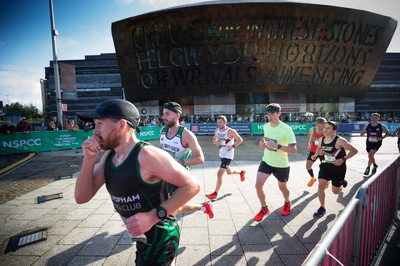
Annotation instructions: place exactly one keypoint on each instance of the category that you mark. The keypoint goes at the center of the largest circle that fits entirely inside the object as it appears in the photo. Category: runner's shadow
(223, 196)
(258, 240)
(93, 250)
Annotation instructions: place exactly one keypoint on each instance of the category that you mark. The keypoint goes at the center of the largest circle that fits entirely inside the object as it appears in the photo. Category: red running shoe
(207, 208)
(242, 177)
(260, 215)
(212, 196)
(286, 209)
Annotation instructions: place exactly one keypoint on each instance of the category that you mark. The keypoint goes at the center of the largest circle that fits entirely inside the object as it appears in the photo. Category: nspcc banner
(42, 141)
(298, 129)
(149, 133)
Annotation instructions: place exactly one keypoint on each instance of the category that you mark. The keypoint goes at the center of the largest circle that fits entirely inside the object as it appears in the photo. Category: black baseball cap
(273, 108)
(174, 107)
(114, 108)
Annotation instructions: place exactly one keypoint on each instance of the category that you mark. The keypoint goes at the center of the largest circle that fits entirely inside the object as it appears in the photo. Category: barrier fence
(360, 229)
(39, 141)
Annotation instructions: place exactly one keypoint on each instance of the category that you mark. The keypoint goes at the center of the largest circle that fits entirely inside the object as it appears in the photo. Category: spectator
(72, 125)
(24, 126)
(143, 122)
(58, 124)
(7, 128)
(88, 126)
(81, 125)
(155, 121)
(52, 126)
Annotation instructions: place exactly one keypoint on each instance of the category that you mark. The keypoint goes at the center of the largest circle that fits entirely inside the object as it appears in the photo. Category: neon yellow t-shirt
(281, 134)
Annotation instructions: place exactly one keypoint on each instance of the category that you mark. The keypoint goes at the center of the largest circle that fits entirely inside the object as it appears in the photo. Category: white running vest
(174, 145)
(226, 142)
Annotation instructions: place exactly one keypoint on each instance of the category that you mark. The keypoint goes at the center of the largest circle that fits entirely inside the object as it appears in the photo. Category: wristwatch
(279, 146)
(161, 213)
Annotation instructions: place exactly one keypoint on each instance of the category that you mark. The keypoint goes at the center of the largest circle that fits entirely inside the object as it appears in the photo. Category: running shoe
(212, 196)
(260, 215)
(366, 171)
(286, 209)
(374, 169)
(311, 182)
(242, 173)
(207, 208)
(344, 184)
(320, 212)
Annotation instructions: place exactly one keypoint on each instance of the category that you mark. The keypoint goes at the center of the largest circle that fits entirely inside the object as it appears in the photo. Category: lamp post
(54, 34)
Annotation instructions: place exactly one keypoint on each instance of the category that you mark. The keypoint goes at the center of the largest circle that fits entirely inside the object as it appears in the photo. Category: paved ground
(92, 233)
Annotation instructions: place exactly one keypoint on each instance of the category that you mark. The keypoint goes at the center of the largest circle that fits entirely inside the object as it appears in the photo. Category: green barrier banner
(149, 133)
(42, 141)
(298, 129)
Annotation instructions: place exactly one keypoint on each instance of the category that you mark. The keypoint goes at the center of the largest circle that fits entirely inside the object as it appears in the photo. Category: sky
(84, 28)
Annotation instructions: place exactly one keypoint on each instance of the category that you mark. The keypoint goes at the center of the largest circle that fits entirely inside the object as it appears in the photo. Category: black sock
(311, 172)
(264, 208)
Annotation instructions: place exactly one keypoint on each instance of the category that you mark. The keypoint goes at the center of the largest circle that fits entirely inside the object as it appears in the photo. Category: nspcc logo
(20, 143)
(299, 127)
(147, 133)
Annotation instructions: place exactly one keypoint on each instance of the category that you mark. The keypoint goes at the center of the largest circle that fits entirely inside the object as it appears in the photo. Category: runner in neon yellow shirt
(278, 141)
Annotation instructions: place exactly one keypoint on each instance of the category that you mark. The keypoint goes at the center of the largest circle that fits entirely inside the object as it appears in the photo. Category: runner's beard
(169, 123)
(110, 143)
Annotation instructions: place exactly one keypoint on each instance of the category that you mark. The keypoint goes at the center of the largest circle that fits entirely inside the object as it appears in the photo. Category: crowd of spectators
(74, 124)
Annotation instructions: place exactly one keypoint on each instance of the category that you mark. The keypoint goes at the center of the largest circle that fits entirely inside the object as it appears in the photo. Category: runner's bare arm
(190, 140)
(91, 175)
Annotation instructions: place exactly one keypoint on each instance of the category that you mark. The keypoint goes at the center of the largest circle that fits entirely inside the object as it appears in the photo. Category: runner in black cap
(134, 173)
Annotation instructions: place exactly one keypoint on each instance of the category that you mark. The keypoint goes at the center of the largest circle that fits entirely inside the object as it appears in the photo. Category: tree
(26, 110)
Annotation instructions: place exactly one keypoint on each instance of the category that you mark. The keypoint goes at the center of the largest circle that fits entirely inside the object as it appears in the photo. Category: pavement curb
(16, 164)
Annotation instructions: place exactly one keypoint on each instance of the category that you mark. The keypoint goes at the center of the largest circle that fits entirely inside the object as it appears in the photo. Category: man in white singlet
(183, 146)
(226, 139)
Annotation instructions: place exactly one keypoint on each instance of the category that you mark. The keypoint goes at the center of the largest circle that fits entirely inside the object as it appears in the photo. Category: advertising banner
(209, 128)
(298, 129)
(149, 133)
(392, 127)
(349, 128)
(42, 141)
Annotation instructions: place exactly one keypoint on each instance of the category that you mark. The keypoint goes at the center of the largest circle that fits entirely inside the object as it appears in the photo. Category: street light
(54, 34)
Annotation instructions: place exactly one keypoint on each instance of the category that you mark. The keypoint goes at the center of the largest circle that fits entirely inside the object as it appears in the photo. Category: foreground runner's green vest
(131, 195)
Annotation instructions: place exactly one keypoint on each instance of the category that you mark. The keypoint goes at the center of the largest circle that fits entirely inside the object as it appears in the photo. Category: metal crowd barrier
(359, 230)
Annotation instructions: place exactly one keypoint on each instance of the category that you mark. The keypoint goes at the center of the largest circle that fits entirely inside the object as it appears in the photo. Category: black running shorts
(282, 174)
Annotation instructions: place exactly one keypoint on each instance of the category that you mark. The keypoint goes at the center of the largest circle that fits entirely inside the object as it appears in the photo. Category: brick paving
(93, 234)
(41, 170)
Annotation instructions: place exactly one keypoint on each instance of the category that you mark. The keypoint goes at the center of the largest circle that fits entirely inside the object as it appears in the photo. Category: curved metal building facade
(303, 52)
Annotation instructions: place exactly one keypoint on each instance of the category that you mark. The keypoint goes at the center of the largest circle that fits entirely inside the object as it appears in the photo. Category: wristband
(279, 146)
(182, 162)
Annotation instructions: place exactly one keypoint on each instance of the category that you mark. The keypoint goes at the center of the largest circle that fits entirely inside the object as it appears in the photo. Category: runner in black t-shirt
(374, 131)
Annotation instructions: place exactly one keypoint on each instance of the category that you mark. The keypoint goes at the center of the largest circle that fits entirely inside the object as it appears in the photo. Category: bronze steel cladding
(218, 47)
